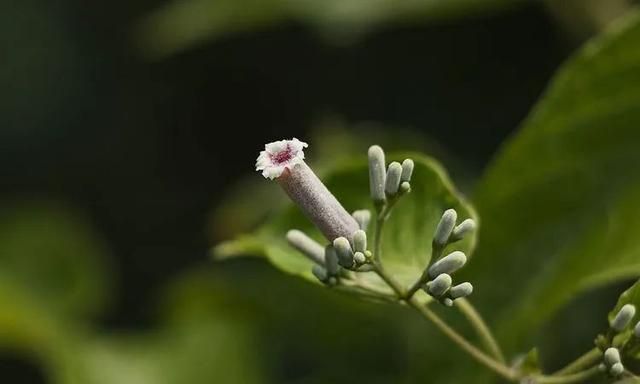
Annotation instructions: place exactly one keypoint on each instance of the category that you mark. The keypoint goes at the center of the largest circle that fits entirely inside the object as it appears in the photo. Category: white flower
(280, 156)
(305, 188)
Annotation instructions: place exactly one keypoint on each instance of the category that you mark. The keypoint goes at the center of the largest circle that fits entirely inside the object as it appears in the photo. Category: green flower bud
(623, 317)
(439, 285)
(448, 264)
(306, 245)
(447, 302)
(359, 258)
(320, 273)
(331, 260)
(405, 187)
(407, 170)
(611, 356)
(445, 227)
(343, 249)
(393, 179)
(461, 290)
(602, 367)
(617, 369)
(464, 228)
(360, 241)
(362, 217)
(377, 174)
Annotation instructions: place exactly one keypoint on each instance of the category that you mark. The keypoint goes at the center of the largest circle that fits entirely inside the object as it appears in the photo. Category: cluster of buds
(387, 183)
(354, 255)
(612, 361)
(342, 255)
(437, 278)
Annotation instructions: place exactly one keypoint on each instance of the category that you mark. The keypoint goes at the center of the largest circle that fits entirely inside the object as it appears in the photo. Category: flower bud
(461, 290)
(360, 241)
(616, 369)
(464, 228)
(343, 249)
(320, 273)
(448, 264)
(306, 245)
(407, 170)
(438, 286)
(362, 217)
(393, 179)
(445, 227)
(611, 356)
(405, 187)
(359, 258)
(447, 302)
(623, 317)
(377, 175)
(331, 260)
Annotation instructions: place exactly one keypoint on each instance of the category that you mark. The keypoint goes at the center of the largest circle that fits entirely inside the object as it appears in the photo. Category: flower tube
(284, 161)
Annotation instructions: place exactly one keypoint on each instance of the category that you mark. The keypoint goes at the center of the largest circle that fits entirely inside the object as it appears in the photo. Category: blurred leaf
(25, 324)
(183, 23)
(407, 238)
(199, 338)
(200, 352)
(54, 255)
(562, 199)
(629, 380)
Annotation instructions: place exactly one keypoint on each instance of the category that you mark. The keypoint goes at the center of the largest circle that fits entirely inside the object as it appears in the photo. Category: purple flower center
(282, 156)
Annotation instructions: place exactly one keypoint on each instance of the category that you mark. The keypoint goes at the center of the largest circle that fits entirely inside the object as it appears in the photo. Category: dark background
(146, 147)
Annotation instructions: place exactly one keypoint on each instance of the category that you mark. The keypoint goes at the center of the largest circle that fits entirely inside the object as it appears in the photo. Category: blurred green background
(128, 135)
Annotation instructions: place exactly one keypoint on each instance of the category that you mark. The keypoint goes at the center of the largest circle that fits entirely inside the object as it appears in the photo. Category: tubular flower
(284, 161)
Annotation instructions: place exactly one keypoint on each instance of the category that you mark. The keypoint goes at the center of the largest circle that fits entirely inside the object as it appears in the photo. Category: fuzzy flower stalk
(283, 161)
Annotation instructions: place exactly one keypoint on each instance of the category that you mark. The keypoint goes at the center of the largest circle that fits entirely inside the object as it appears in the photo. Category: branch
(481, 328)
(581, 362)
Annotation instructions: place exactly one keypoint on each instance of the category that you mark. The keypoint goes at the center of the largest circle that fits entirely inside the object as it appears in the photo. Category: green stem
(481, 328)
(377, 242)
(454, 336)
(581, 362)
(416, 286)
(436, 252)
(474, 352)
(391, 282)
(577, 377)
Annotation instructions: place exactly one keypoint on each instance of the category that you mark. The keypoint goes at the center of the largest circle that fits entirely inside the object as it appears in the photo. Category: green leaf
(562, 199)
(407, 236)
(180, 24)
(201, 339)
